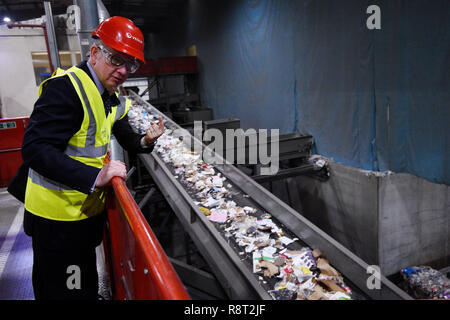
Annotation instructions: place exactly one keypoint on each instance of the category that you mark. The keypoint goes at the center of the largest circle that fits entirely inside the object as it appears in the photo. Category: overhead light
(6, 19)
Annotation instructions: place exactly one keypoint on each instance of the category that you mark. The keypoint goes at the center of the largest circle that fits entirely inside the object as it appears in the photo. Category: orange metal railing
(138, 267)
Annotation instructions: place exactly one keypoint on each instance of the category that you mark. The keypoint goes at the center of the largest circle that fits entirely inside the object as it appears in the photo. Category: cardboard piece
(325, 268)
(318, 294)
(333, 286)
(316, 253)
(270, 268)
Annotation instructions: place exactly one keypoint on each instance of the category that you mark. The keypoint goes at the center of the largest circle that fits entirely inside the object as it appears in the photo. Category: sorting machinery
(230, 268)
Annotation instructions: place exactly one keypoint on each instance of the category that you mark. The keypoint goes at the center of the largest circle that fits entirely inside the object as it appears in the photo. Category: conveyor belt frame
(189, 214)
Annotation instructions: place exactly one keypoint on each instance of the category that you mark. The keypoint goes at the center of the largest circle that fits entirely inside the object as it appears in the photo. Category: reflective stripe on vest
(122, 107)
(50, 199)
(89, 150)
(45, 182)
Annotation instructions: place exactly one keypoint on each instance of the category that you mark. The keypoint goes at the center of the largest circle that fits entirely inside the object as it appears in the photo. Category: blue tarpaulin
(372, 99)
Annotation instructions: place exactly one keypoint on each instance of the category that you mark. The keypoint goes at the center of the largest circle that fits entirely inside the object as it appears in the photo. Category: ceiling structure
(149, 15)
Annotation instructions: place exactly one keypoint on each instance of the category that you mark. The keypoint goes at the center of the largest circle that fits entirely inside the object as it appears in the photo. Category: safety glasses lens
(132, 66)
(117, 61)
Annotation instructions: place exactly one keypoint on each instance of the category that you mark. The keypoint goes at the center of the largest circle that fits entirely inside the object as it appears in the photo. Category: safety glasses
(117, 61)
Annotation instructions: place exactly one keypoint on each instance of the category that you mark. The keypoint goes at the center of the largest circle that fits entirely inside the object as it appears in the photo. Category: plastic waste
(424, 282)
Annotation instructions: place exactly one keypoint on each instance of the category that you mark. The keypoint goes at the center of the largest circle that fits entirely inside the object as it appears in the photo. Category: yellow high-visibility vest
(52, 200)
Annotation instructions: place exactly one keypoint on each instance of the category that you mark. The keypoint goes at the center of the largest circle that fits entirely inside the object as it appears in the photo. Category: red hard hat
(122, 35)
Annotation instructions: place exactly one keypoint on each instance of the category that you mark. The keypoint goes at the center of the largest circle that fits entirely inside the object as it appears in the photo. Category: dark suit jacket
(56, 117)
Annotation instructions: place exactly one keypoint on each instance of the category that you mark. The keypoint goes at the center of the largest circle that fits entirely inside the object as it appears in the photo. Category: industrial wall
(372, 99)
(18, 88)
(390, 220)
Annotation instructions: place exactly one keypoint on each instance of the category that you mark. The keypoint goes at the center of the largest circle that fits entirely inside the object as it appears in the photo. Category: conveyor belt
(234, 270)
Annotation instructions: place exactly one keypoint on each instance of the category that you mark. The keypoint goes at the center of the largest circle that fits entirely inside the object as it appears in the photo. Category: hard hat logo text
(129, 35)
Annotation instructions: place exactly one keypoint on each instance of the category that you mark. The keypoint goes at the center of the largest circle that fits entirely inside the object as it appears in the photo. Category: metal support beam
(198, 279)
(89, 20)
(53, 46)
(146, 198)
(285, 173)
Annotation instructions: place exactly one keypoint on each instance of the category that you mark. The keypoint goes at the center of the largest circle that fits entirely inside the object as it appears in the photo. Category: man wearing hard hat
(65, 146)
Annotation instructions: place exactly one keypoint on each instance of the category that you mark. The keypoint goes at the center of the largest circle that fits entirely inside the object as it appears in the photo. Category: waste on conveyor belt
(300, 274)
(139, 118)
(425, 282)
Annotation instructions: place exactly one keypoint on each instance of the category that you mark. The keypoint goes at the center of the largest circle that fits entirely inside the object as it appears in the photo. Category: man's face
(109, 75)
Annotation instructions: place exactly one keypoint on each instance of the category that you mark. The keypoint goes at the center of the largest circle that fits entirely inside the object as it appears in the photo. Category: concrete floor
(16, 254)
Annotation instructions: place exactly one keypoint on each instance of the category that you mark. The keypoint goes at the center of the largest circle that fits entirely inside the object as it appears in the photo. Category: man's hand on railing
(112, 169)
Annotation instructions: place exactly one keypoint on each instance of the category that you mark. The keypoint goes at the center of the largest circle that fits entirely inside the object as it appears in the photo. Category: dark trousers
(64, 259)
